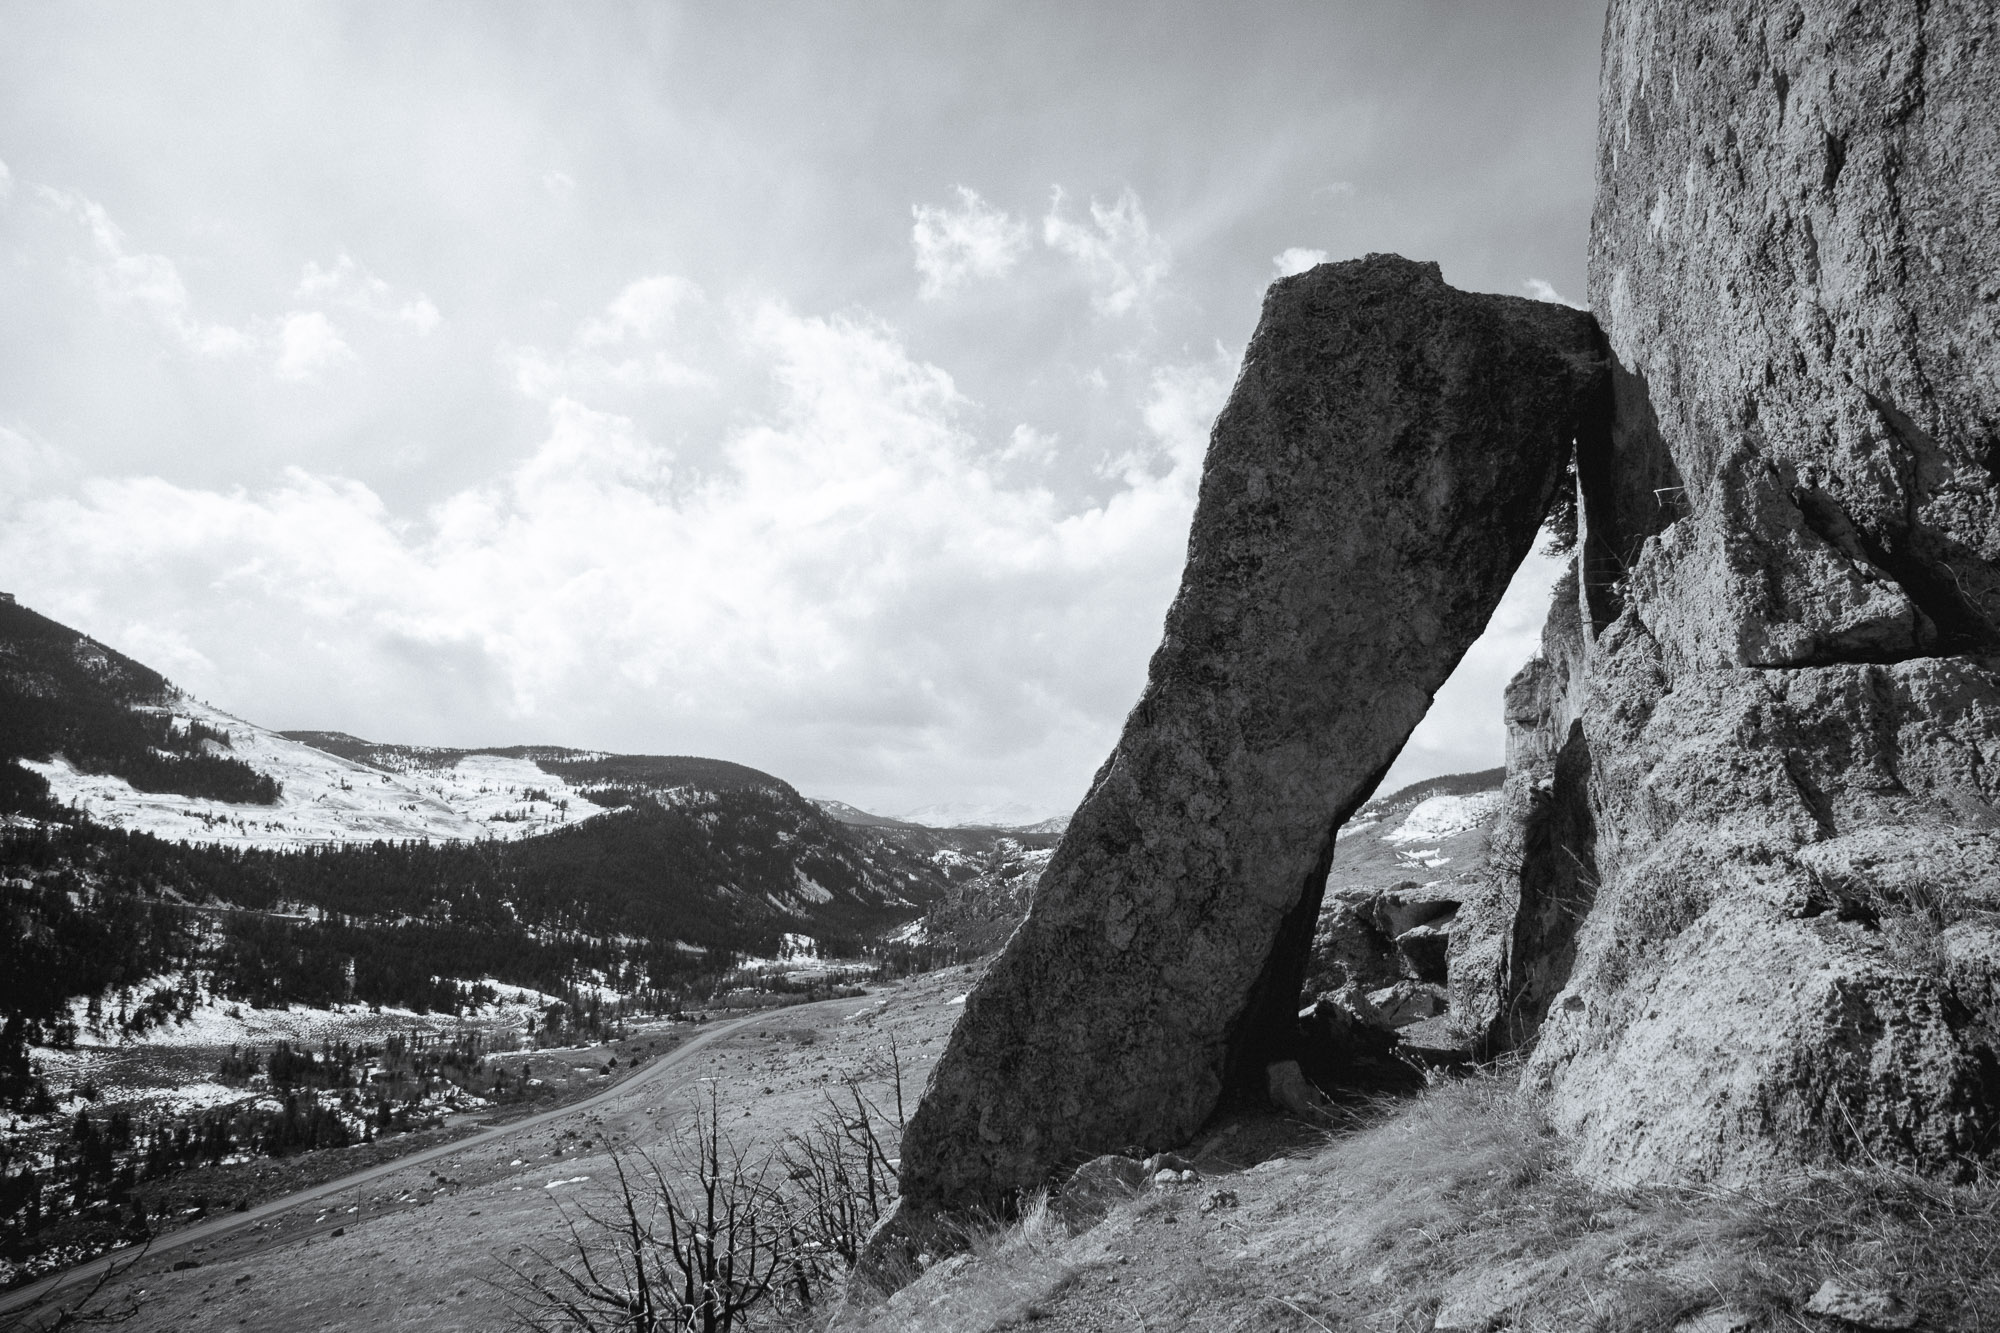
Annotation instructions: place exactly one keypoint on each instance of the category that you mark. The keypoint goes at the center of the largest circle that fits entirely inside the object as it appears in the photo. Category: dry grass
(1470, 1182)
(1463, 1190)
(1008, 1275)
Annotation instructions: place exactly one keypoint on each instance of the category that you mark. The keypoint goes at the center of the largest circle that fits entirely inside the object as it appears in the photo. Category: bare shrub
(686, 1244)
(698, 1239)
(842, 1181)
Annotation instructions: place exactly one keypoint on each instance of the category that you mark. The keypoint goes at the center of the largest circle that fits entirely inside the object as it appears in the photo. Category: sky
(818, 386)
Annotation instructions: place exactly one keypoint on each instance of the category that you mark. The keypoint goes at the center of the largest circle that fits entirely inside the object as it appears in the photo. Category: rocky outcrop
(1779, 706)
(1380, 470)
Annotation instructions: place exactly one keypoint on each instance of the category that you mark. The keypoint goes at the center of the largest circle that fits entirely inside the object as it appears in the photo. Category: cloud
(1118, 252)
(644, 310)
(1542, 290)
(560, 185)
(1296, 259)
(975, 240)
(302, 344)
(27, 466)
(6, 183)
(1028, 445)
(639, 340)
(146, 282)
(351, 287)
(309, 345)
(853, 589)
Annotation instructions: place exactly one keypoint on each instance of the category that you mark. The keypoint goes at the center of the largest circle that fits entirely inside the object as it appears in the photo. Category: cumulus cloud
(973, 240)
(352, 287)
(639, 340)
(644, 310)
(1029, 445)
(1296, 259)
(853, 588)
(148, 283)
(1542, 290)
(1120, 256)
(301, 345)
(308, 346)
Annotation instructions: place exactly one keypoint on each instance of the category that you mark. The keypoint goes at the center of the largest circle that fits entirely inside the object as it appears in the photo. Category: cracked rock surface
(1752, 928)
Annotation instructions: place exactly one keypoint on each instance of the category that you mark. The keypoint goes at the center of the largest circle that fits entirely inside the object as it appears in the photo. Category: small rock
(1409, 1002)
(1162, 1179)
(1219, 1199)
(1866, 1307)
(1717, 1321)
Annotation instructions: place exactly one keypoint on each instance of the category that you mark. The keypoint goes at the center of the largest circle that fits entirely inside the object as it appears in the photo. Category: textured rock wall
(1379, 472)
(1791, 598)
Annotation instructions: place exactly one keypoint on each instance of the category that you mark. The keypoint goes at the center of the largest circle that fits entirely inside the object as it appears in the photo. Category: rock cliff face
(1380, 470)
(1749, 912)
(1763, 739)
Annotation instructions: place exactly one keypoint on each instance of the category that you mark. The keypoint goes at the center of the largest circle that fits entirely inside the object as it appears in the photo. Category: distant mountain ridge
(533, 865)
(1012, 817)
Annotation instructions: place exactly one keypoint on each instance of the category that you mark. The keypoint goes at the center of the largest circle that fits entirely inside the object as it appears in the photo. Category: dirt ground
(426, 1248)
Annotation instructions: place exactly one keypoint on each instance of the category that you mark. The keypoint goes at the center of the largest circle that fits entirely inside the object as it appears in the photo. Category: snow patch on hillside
(1442, 817)
(330, 800)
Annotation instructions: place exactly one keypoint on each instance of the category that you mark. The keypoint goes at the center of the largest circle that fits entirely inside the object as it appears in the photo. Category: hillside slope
(347, 868)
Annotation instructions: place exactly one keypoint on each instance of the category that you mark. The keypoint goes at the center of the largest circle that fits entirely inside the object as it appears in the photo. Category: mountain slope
(371, 871)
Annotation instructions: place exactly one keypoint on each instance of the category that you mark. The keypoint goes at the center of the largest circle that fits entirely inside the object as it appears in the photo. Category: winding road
(21, 1299)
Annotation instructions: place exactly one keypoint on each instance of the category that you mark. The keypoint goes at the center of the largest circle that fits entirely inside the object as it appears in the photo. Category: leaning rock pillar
(1382, 467)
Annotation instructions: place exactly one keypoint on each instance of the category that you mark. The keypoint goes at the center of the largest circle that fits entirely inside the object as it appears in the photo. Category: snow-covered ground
(1441, 817)
(215, 1021)
(328, 799)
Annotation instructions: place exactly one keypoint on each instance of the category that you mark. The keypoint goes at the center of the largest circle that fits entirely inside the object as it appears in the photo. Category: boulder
(1381, 468)
(1408, 1002)
(1780, 697)
(1095, 1188)
(1349, 1045)
(1349, 948)
(1423, 950)
(1404, 907)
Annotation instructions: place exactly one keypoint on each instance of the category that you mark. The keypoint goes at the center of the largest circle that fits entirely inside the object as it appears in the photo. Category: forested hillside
(685, 865)
(62, 693)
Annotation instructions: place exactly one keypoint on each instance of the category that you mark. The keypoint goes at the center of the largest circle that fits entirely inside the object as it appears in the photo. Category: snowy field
(329, 800)
(169, 1068)
(1442, 817)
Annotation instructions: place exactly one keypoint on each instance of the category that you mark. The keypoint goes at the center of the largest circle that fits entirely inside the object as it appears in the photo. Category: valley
(239, 957)
(432, 1233)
